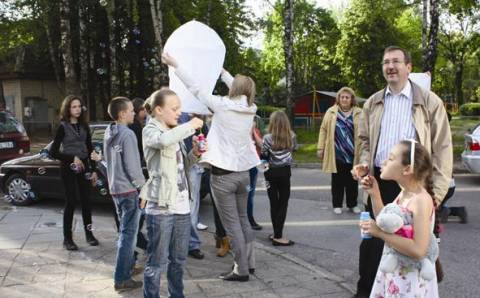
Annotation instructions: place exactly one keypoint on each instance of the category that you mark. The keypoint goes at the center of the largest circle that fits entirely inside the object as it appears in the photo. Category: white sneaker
(355, 210)
(201, 226)
(337, 210)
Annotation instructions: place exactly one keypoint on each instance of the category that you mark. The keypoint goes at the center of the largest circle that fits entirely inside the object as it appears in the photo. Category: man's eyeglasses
(394, 62)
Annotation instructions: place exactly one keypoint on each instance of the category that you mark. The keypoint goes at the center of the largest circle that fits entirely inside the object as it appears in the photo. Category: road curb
(321, 272)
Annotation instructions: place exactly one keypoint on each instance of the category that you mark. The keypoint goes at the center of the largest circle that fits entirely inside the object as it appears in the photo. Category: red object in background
(14, 141)
(314, 103)
(474, 146)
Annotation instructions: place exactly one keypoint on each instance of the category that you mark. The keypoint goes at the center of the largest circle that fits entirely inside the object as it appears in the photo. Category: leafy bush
(470, 109)
(265, 110)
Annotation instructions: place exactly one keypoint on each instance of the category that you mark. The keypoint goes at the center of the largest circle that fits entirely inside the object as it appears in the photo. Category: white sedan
(471, 154)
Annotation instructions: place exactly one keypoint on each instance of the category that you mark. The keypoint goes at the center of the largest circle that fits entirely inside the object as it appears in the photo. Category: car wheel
(18, 191)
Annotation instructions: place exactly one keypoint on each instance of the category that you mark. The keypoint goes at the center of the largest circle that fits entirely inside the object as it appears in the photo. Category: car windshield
(97, 134)
(8, 124)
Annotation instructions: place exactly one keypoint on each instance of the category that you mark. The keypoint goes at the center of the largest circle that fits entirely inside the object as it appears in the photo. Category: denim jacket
(159, 147)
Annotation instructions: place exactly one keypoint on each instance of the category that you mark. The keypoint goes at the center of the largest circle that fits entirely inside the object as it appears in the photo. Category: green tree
(315, 35)
(111, 47)
(409, 26)
(459, 43)
(367, 29)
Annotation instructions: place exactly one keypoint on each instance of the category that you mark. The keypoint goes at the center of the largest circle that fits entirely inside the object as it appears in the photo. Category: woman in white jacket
(231, 155)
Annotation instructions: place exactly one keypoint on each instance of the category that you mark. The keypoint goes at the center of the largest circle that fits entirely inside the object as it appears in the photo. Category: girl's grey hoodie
(124, 170)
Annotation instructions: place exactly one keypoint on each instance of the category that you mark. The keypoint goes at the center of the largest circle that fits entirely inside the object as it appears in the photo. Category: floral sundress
(404, 282)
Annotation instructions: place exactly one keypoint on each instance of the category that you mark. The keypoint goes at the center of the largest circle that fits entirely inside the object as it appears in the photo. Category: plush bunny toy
(392, 220)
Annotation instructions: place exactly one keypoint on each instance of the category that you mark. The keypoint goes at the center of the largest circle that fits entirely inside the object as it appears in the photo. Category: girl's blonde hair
(279, 127)
(243, 85)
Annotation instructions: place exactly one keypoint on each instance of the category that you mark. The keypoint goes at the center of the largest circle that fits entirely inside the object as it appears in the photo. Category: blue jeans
(128, 215)
(251, 193)
(195, 179)
(168, 237)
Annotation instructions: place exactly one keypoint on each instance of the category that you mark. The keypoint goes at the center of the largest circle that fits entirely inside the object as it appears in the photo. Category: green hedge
(470, 109)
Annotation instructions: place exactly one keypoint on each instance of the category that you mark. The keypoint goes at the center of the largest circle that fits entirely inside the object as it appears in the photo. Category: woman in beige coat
(339, 148)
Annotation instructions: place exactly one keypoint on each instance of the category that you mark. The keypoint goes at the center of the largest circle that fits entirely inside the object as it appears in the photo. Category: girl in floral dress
(410, 166)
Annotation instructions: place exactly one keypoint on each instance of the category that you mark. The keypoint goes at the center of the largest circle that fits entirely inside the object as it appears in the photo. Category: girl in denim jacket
(166, 193)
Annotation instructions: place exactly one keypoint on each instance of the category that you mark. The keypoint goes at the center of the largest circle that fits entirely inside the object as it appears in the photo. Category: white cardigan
(230, 146)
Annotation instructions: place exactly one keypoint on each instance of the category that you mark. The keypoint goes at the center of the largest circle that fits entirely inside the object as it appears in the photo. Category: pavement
(34, 264)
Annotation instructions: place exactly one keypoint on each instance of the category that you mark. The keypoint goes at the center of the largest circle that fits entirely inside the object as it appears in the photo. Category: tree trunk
(288, 49)
(424, 23)
(112, 87)
(54, 59)
(157, 19)
(430, 53)
(459, 82)
(83, 55)
(209, 12)
(71, 83)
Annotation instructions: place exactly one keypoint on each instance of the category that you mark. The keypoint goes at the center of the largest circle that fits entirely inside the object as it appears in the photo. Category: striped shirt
(344, 147)
(397, 122)
(280, 157)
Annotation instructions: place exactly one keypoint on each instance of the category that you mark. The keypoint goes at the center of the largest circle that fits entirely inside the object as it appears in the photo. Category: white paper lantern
(201, 52)
(424, 80)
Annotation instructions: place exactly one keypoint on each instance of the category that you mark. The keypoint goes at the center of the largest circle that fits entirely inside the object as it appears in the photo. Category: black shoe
(234, 277)
(69, 244)
(276, 243)
(462, 213)
(91, 239)
(128, 285)
(444, 214)
(255, 226)
(250, 270)
(196, 254)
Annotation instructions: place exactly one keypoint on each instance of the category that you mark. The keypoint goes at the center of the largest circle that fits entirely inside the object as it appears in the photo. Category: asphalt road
(331, 241)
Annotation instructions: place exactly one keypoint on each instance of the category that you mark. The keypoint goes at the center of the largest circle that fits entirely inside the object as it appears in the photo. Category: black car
(26, 179)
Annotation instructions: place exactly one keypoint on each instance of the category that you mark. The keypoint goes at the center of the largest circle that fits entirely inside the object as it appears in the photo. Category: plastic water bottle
(365, 216)
(201, 143)
(44, 153)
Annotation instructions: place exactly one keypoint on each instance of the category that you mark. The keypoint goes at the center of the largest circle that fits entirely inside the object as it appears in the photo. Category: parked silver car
(471, 154)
